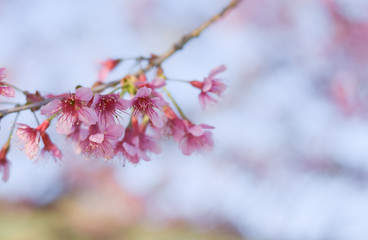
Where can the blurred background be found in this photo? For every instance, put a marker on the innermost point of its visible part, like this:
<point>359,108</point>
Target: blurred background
<point>291,139</point>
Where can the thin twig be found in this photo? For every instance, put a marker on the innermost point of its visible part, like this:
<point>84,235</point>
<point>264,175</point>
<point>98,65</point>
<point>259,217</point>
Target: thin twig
<point>155,62</point>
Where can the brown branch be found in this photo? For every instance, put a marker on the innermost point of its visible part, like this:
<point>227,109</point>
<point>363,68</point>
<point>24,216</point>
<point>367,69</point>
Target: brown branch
<point>157,61</point>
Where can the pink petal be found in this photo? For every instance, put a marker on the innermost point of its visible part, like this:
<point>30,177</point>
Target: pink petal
<point>143,155</point>
<point>7,91</point>
<point>217,70</point>
<point>84,94</point>
<point>217,87</point>
<point>6,170</point>
<point>186,148</point>
<point>57,153</point>
<point>143,92</point>
<point>196,130</point>
<point>87,115</point>
<point>51,108</point>
<point>114,131</point>
<point>32,148</point>
<point>155,119</point>
<point>65,124</point>
<point>159,102</point>
<point>97,138</point>
<point>83,132</point>
<point>96,99</point>
<point>125,104</point>
<point>203,99</point>
<point>158,82</point>
<point>154,147</point>
<point>205,126</point>
<point>207,84</point>
<point>131,150</point>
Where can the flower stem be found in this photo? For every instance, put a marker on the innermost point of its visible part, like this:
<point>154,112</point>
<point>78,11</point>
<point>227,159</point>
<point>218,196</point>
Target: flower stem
<point>53,116</point>
<point>115,89</point>
<point>12,128</point>
<point>177,80</point>
<point>175,103</point>
<point>34,114</point>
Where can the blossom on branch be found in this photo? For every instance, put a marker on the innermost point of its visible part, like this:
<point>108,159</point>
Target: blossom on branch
<point>174,126</point>
<point>145,103</point>
<point>71,109</point>
<point>109,107</point>
<point>196,138</point>
<point>101,140</point>
<point>136,143</point>
<point>211,85</point>
<point>31,137</point>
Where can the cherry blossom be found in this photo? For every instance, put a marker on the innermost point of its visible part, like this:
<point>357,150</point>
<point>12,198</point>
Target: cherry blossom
<point>109,107</point>
<point>101,140</point>
<point>211,85</point>
<point>196,138</point>
<point>31,137</point>
<point>174,126</point>
<point>71,109</point>
<point>145,103</point>
<point>135,144</point>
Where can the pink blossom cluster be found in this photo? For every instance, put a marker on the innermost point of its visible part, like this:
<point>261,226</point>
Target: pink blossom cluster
<point>127,123</point>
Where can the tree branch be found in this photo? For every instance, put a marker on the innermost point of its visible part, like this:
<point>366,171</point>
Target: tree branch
<point>155,62</point>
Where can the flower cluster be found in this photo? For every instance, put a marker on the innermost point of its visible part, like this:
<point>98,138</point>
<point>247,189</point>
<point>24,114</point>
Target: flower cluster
<point>127,123</point>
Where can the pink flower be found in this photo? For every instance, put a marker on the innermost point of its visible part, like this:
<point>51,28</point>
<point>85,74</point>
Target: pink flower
<point>4,162</point>
<point>100,141</point>
<point>71,109</point>
<point>135,144</point>
<point>196,138</point>
<point>107,67</point>
<point>50,148</point>
<point>5,90</point>
<point>31,137</point>
<point>109,106</point>
<point>145,103</point>
<point>174,125</point>
<point>210,84</point>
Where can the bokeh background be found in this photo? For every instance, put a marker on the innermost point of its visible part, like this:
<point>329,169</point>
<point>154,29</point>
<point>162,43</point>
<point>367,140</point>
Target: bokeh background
<point>291,139</point>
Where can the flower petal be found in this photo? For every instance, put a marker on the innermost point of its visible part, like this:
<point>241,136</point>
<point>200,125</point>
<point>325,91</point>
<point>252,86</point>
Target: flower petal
<point>196,130</point>
<point>97,138</point>
<point>143,92</point>
<point>124,104</point>
<point>186,148</point>
<point>84,94</point>
<point>155,119</point>
<point>158,82</point>
<point>131,150</point>
<point>114,131</point>
<point>7,91</point>
<point>65,124</point>
<point>87,115</point>
<point>51,108</point>
<point>207,84</point>
<point>217,70</point>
